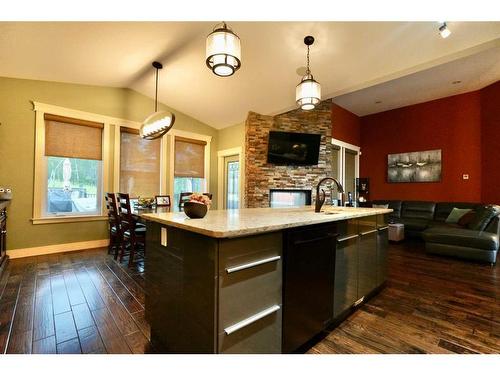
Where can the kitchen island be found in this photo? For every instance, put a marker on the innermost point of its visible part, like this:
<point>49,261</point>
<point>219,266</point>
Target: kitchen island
<point>261,280</point>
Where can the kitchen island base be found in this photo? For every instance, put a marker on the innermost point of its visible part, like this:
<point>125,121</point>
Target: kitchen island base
<point>268,292</point>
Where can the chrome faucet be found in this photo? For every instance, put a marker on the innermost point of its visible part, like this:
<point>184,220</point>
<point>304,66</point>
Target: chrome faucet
<point>320,199</point>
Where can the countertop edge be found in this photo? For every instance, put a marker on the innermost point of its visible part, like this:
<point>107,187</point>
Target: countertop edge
<point>322,218</point>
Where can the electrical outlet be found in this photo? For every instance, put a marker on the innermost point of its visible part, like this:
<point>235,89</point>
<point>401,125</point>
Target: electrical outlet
<point>465,177</point>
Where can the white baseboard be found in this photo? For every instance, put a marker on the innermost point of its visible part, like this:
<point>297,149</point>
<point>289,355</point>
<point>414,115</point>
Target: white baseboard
<point>59,248</point>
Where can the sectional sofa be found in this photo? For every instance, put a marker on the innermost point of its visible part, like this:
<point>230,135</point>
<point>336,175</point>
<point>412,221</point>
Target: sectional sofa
<point>427,220</point>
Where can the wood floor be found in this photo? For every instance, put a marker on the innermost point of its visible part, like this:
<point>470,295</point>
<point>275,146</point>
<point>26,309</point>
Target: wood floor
<point>431,304</point>
<point>84,302</point>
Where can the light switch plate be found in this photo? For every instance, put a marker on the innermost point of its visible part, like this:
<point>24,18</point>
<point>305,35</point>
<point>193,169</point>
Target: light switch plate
<point>465,177</point>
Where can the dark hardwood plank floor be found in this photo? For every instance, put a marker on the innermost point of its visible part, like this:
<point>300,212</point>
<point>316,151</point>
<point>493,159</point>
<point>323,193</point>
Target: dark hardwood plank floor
<point>431,304</point>
<point>85,302</point>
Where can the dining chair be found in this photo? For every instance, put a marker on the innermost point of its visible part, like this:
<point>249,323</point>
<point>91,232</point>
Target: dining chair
<point>134,235</point>
<point>115,235</point>
<point>183,199</point>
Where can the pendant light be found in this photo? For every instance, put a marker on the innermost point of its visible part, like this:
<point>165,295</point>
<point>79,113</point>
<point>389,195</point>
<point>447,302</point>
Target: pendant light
<point>308,91</point>
<point>223,51</point>
<point>160,122</point>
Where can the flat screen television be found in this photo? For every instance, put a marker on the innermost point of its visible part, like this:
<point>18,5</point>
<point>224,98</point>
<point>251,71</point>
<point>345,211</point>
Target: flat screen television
<point>293,148</point>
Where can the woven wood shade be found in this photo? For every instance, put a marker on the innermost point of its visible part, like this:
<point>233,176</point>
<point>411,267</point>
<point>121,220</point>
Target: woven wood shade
<point>73,138</point>
<point>189,158</point>
<point>139,164</point>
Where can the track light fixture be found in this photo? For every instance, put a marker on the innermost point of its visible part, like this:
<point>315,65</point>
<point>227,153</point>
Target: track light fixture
<point>444,31</point>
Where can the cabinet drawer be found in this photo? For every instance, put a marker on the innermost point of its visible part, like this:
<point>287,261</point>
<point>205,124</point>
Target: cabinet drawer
<point>347,228</point>
<point>382,220</point>
<point>260,337</point>
<point>367,224</point>
<point>250,280</point>
<point>242,254</point>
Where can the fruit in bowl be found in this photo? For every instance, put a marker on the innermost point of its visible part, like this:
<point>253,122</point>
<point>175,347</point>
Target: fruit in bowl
<point>197,206</point>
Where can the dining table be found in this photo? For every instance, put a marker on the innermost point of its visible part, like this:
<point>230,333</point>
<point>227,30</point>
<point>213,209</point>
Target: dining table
<point>138,211</point>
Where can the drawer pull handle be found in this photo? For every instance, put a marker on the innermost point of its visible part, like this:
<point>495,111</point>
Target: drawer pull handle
<point>384,228</point>
<point>368,232</point>
<point>252,264</point>
<point>347,238</point>
<point>317,239</point>
<point>251,319</point>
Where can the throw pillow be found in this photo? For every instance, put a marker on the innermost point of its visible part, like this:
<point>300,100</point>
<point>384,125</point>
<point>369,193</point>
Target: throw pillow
<point>456,214</point>
<point>483,217</point>
<point>467,218</point>
<point>380,206</point>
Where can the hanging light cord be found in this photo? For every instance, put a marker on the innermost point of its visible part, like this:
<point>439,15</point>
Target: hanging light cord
<point>156,92</point>
<point>308,71</point>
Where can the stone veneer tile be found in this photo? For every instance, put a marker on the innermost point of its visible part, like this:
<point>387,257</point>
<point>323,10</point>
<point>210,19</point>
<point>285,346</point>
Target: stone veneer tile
<point>260,176</point>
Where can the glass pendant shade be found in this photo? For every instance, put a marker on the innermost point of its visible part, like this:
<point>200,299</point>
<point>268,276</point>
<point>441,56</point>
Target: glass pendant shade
<point>223,51</point>
<point>157,125</point>
<point>308,93</point>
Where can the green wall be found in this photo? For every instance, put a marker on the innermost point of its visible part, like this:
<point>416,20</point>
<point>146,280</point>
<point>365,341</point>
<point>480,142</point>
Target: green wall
<point>233,136</point>
<point>17,146</point>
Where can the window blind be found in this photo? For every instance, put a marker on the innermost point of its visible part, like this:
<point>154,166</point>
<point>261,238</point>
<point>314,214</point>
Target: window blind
<point>72,138</point>
<point>139,164</point>
<point>189,158</point>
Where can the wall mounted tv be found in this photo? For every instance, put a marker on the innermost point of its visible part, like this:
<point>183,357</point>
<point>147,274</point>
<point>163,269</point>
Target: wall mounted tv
<point>293,148</point>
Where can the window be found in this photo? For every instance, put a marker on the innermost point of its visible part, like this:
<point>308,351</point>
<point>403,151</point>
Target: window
<point>139,164</point>
<point>73,165</point>
<point>189,167</point>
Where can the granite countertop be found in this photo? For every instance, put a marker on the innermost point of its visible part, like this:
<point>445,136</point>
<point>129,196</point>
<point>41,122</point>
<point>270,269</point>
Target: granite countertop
<point>248,221</point>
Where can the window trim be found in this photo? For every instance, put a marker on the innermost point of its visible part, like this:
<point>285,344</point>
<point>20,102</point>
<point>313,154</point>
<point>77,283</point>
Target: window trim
<point>39,198</point>
<point>117,150</point>
<point>341,162</point>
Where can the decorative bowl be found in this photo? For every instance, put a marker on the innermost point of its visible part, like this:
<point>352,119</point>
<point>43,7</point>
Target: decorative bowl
<point>195,210</point>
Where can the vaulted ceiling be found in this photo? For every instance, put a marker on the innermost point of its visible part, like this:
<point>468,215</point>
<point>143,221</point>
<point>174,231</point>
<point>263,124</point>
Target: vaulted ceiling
<point>357,63</point>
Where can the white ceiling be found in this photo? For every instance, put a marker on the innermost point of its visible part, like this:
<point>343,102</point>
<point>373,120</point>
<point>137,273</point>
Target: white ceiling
<point>462,75</point>
<point>346,57</point>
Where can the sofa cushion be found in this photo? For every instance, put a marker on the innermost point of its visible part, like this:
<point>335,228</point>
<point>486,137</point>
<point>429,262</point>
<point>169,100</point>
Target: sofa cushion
<point>418,210</point>
<point>443,209</point>
<point>414,224</point>
<point>483,217</point>
<point>461,237</point>
<point>465,220</point>
<point>393,205</point>
<point>456,214</point>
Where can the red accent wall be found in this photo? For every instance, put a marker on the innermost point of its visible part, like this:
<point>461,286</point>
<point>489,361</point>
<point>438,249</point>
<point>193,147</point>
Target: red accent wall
<point>345,125</point>
<point>490,125</point>
<point>452,124</point>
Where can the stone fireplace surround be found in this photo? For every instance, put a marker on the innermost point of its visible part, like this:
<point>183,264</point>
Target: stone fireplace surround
<point>260,176</point>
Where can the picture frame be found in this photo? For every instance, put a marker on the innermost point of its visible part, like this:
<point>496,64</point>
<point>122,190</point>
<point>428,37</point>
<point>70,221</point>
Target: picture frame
<point>162,200</point>
<point>418,166</point>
